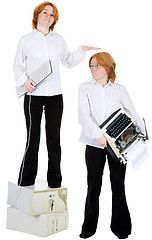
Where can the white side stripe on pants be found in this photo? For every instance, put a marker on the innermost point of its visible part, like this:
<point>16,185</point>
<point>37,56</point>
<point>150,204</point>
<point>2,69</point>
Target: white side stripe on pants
<point>28,141</point>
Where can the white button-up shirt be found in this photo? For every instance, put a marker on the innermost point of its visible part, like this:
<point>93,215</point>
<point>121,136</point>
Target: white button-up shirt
<point>96,103</point>
<point>33,50</point>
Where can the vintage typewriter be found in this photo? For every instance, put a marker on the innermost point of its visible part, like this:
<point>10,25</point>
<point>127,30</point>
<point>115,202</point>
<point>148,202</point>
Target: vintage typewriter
<point>122,134</point>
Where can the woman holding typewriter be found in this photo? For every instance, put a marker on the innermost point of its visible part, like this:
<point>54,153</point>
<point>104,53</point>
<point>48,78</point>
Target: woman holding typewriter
<point>33,50</point>
<point>98,99</point>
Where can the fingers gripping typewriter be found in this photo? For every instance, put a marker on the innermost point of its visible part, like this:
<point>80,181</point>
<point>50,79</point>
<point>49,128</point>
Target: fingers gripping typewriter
<point>122,134</point>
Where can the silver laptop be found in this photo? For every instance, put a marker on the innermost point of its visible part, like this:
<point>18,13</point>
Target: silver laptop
<point>37,76</point>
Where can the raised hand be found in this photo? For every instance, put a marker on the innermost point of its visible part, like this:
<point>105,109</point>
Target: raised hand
<point>88,48</point>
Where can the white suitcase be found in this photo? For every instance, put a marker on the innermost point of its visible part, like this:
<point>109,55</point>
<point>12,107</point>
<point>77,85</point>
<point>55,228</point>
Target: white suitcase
<point>42,225</point>
<point>37,199</point>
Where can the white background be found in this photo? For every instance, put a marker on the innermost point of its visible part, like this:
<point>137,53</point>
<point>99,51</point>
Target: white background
<point>120,27</point>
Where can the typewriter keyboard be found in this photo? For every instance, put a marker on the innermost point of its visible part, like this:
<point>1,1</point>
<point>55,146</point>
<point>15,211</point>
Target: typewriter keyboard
<point>118,125</point>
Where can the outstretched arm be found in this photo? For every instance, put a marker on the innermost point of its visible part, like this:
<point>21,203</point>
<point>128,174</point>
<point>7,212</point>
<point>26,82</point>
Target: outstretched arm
<point>71,59</point>
<point>88,48</point>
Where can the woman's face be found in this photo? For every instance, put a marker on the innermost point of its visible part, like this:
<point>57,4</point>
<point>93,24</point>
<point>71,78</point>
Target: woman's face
<point>98,72</point>
<point>46,17</point>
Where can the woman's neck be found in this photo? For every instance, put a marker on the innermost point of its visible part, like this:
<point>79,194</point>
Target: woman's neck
<point>44,30</point>
<point>103,81</point>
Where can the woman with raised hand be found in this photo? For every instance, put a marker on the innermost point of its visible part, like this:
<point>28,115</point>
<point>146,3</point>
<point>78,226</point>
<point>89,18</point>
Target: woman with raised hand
<point>33,50</point>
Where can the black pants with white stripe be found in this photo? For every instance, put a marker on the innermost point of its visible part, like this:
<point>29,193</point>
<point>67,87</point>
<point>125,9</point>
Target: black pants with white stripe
<point>33,109</point>
<point>120,220</point>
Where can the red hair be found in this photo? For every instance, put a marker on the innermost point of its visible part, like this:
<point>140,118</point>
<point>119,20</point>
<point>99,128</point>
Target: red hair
<point>39,9</point>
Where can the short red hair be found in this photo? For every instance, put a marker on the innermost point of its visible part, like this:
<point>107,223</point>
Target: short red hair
<point>39,9</point>
<point>107,62</point>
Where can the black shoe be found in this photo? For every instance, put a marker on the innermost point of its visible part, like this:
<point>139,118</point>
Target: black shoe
<point>86,235</point>
<point>122,236</point>
<point>54,186</point>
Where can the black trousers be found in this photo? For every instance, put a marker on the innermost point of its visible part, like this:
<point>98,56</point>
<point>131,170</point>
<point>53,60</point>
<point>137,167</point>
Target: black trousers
<point>33,109</point>
<point>120,220</point>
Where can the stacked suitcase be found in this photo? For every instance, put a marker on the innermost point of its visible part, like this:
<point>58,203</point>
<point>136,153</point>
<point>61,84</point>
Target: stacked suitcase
<point>37,209</point>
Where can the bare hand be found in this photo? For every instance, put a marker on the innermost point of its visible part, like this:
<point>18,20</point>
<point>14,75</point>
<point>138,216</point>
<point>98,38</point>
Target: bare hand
<point>102,141</point>
<point>29,85</point>
<point>88,48</point>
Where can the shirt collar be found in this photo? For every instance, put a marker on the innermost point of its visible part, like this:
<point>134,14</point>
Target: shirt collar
<point>38,33</point>
<point>95,82</point>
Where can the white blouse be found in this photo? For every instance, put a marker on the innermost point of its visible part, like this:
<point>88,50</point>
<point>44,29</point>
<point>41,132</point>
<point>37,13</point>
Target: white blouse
<point>33,50</point>
<point>96,103</point>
